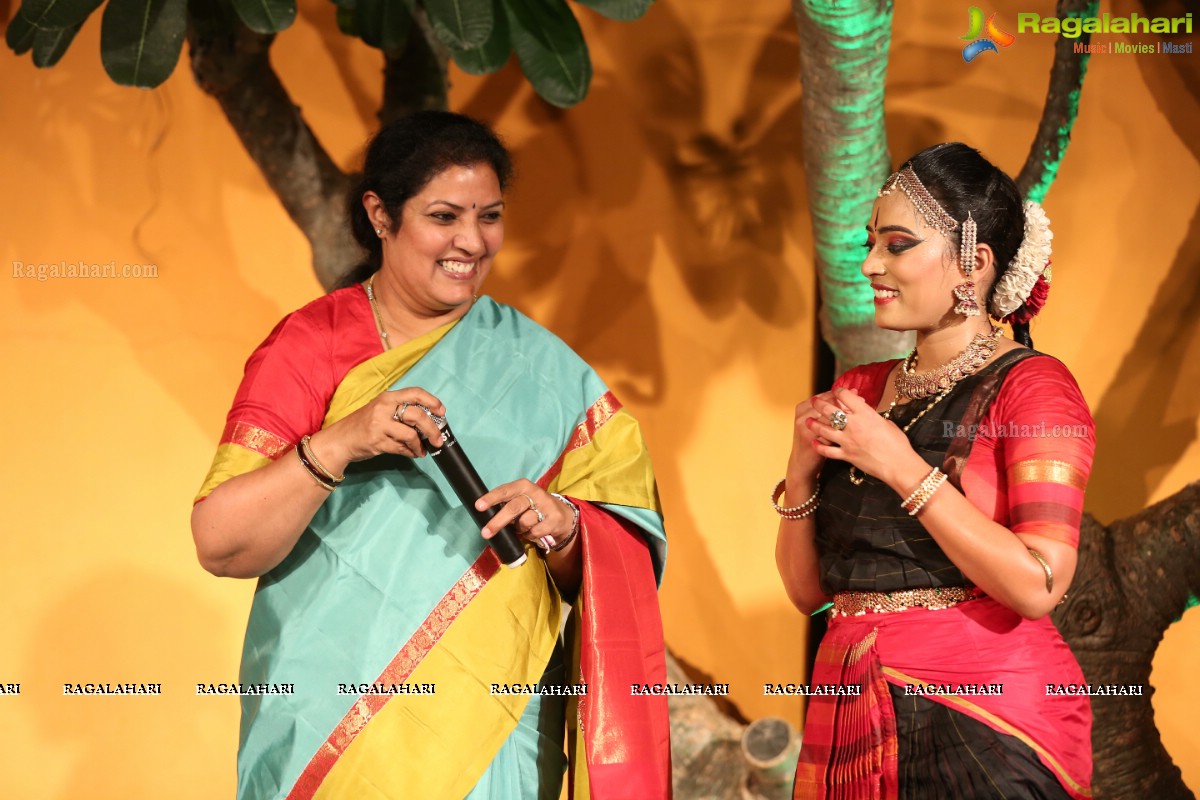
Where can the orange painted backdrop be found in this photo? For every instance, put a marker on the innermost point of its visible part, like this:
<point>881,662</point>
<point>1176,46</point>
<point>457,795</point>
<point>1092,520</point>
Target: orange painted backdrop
<point>660,228</point>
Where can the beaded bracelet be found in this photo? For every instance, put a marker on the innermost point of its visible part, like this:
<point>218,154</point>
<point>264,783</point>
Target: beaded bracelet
<point>794,512</point>
<point>924,491</point>
<point>574,525</point>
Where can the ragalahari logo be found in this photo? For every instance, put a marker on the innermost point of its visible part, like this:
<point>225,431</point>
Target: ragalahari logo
<point>983,37</point>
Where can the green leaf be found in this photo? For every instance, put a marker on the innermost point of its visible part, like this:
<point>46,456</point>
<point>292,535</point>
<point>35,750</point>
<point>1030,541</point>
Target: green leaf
<point>551,49</point>
<point>266,16</point>
<point>461,24</point>
<point>58,13</point>
<point>140,40</point>
<point>492,54</point>
<point>49,45</point>
<point>622,10</point>
<point>384,24</point>
<point>20,34</point>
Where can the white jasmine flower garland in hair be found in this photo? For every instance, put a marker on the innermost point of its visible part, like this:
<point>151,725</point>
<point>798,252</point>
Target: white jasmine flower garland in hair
<point>1033,256</point>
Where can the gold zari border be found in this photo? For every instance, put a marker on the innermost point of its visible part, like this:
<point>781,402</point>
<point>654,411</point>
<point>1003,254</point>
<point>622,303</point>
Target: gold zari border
<point>1047,471</point>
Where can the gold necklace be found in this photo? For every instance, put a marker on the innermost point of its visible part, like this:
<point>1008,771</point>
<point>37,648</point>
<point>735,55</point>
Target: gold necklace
<point>855,477</point>
<point>383,334</point>
<point>939,382</point>
<point>968,362</point>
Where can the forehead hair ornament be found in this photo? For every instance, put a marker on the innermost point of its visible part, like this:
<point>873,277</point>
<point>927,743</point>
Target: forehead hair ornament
<point>934,215</point>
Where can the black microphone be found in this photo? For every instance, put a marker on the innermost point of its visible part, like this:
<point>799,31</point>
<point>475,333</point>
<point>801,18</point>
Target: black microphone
<point>469,487</point>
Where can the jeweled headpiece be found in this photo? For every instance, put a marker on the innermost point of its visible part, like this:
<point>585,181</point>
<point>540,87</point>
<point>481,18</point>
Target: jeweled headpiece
<point>934,215</point>
<point>1021,291</point>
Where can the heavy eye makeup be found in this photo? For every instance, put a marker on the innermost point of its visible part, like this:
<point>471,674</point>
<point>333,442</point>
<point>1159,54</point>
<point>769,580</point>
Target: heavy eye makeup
<point>897,240</point>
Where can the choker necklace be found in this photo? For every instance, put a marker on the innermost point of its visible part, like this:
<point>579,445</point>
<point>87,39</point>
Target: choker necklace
<point>910,384</point>
<point>383,335</point>
<point>938,383</point>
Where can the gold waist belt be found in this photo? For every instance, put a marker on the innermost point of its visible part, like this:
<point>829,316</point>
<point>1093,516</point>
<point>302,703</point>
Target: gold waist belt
<point>855,604</point>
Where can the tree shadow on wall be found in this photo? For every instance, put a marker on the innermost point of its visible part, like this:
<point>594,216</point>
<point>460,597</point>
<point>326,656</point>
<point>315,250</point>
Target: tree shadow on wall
<point>734,169</point>
<point>178,325</point>
<point>1152,390</point>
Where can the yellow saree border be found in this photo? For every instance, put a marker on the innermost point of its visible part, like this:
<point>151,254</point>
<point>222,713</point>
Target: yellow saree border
<point>451,744</point>
<point>397,671</point>
<point>995,722</point>
<point>230,461</point>
<point>607,435</point>
<point>597,415</point>
<point>364,382</point>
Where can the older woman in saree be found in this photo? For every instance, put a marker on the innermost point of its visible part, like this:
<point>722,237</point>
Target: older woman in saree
<point>420,666</point>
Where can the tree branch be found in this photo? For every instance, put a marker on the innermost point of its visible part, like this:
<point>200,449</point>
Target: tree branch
<point>232,65</point>
<point>1062,105</point>
<point>416,79</point>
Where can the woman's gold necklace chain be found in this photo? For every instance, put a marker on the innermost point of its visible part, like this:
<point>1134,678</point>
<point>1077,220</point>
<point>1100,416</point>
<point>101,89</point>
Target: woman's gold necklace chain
<point>383,334</point>
<point>944,379</point>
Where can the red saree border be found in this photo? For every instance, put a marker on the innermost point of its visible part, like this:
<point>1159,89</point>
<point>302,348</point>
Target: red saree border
<point>401,666</point>
<point>976,712</point>
<point>600,412</point>
<point>254,438</point>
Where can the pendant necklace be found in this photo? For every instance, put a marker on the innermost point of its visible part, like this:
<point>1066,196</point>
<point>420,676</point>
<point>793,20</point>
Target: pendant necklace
<point>383,334</point>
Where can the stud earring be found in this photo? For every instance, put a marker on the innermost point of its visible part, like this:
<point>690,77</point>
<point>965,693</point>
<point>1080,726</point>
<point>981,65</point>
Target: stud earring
<point>379,232</point>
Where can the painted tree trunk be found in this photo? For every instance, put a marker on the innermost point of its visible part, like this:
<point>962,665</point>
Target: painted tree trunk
<point>843,63</point>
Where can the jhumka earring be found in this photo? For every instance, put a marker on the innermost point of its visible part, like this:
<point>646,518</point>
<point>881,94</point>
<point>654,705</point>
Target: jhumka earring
<point>967,306</point>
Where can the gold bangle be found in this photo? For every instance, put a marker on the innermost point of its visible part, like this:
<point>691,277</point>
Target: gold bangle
<point>306,443</point>
<point>1046,567</point>
<point>794,512</point>
<point>321,480</point>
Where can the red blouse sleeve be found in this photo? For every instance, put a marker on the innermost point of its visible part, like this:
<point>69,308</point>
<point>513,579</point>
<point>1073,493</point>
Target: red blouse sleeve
<point>1044,440</point>
<point>289,381</point>
<point>285,388</point>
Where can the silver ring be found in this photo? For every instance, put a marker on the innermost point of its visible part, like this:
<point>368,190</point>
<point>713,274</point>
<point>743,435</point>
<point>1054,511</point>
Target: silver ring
<point>398,416</point>
<point>838,420</point>
<point>533,506</point>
